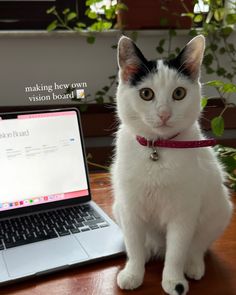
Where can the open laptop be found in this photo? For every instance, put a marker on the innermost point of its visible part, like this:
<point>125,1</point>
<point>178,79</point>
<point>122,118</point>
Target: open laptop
<point>48,221</point>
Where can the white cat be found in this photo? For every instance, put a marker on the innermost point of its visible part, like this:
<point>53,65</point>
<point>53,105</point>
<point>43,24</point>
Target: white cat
<point>178,205</point>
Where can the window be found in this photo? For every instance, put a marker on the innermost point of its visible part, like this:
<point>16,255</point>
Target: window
<point>31,14</point>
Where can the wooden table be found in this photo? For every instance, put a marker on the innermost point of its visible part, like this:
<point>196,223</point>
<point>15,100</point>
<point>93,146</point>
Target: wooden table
<point>100,278</point>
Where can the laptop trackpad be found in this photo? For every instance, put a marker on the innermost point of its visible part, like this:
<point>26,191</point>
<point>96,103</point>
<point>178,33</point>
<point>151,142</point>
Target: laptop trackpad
<point>43,256</point>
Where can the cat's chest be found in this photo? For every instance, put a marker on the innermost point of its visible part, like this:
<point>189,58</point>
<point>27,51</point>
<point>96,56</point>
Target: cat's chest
<point>157,168</point>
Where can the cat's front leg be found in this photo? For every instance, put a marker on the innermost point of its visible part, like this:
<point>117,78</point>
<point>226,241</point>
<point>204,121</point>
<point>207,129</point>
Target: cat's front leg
<point>179,236</point>
<point>131,277</point>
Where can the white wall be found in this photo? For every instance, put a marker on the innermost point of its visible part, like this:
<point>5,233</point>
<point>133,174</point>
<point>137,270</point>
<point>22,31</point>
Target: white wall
<point>27,58</point>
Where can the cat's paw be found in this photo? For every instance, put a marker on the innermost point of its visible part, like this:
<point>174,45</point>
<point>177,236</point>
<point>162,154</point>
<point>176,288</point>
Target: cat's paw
<point>175,287</point>
<point>128,280</point>
<point>195,269</point>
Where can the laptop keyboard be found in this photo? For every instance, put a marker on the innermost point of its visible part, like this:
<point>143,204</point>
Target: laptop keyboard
<point>41,226</point>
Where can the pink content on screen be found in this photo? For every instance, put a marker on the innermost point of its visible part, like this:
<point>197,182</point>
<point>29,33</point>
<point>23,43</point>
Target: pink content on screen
<point>44,115</point>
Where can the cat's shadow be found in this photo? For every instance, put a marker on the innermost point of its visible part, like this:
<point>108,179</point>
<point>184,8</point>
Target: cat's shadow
<point>218,280</point>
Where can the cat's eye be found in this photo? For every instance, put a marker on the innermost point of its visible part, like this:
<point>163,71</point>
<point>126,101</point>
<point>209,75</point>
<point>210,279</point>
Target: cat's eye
<point>146,93</point>
<point>179,93</point>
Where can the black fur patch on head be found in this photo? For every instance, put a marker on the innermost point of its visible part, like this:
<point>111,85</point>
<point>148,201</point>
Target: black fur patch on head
<point>144,69</point>
<point>178,65</point>
<point>134,66</point>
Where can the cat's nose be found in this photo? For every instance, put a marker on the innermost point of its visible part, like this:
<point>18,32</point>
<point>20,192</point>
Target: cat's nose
<point>164,116</point>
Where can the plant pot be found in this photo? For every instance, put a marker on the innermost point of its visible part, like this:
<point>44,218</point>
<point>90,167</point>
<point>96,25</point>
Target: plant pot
<point>155,14</point>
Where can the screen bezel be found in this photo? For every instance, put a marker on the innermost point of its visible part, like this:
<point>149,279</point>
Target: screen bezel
<point>55,204</point>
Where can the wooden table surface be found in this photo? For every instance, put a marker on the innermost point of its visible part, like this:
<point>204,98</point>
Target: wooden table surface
<point>100,278</point>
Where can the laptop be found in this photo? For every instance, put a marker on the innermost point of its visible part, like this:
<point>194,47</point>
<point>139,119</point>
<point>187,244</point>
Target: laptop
<point>48,220</point>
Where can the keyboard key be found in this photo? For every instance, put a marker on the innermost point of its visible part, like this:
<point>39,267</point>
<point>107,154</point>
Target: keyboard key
<point>75,230</point>
<point>103,225</point>
<point>41,226</point>
<point>63,233</point>
<point>85,229</point>
<point>93,222</point>
<point>94,226</point>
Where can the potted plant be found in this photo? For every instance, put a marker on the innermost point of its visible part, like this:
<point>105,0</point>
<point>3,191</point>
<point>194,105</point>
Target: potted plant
<point>155,14</point>
<point>217,24</point>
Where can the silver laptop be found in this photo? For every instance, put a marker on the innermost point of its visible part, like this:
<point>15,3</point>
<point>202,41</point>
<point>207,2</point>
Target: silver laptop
<point>48,221</point>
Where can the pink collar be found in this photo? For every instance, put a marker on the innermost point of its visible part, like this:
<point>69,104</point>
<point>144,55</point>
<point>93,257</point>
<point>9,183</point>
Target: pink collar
<point>176,144</point>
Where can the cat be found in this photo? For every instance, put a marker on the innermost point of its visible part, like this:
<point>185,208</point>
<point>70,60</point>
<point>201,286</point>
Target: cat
<point>177,206</point>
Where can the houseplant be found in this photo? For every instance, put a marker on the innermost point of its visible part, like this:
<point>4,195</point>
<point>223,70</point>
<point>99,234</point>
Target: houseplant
<point>100,17</point>
<point>216,24</point>
<point>155,14</point>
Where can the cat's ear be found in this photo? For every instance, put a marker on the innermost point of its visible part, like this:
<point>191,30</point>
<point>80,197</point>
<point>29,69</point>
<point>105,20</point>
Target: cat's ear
<point>190,58</point>
<point>130,58</point>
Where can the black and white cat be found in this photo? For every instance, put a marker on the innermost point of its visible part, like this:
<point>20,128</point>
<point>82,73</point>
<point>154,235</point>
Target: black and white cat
<point>178,205</point>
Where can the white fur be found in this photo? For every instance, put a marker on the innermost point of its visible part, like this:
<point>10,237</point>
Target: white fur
<point>176,206</point>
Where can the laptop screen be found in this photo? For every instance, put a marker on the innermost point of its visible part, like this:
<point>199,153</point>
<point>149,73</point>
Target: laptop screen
<point>41,159</point>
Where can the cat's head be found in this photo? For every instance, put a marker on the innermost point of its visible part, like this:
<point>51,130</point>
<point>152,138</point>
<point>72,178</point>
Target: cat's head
<point>159,98</point>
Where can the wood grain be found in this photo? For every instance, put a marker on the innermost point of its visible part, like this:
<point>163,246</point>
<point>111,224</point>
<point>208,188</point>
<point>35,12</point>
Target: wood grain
<point>100,278</point>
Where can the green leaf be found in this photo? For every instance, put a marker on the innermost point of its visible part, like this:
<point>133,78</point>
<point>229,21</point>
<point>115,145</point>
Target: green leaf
<point>99,100</point>
<point>52,26</point>
<point>198,18</point>
<point>111,99</point>
<point>222,50</point>
<point>51,10</point>
<point>105,88</point>
<point>112,77</point>
<point>121,6</point>
<point>193,32</point>
<point>106,25</point>
<point>91,14</point>
<point>81,25</point>
<point>91,2</point>
<point>171,56</point>
<point>159,49</point>
<point>100,93</point>
<point>76,29</point>
<point>215,83</point>
<point>209,70</point>
<point>177,50</point>
<point>219,14</point>
<point>91,39</point>
<point>228,88</point>
<point>217,125</point>
<point>208,59</point>
<point>71,15</point>
<point>220,71</point>
<point>231,19</point>
<point>163,22</point>
<point>231,47</point>
<point>204,101</point>
<point>162,42</point>
<point>172,33</point>
<point>189,14</point>
<point>110,13</point>
<point>229,76</point>
<point>213,47</point>
<point>226,31</point>
<point>65,11</point>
